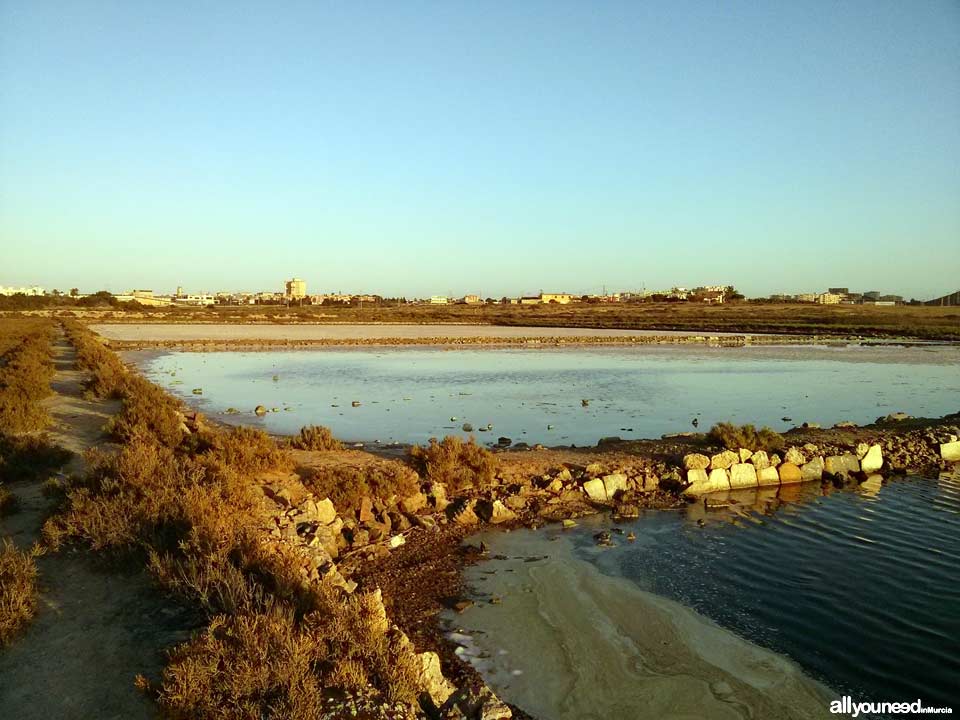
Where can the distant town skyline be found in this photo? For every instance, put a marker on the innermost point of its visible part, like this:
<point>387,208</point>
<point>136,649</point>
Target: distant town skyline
<point>496,148</point>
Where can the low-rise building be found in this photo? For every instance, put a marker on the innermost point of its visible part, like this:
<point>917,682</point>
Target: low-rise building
<point>470,300</point>
<point>295,289</point>
<point>556,298</point>
<point>829,298</point>
<point>439,300</point>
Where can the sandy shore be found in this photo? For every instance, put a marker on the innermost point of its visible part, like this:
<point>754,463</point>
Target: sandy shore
<point>566,641</point>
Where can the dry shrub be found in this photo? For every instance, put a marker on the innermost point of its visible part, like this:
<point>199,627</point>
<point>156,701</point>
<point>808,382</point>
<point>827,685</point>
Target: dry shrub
<point>25,373</point>
<point>734,437</point>
<point>460,465</point>
<point>248,451</point>
<point>8,501</point>
<point>276,663</point>
<point>347,484</point>
<point>29,457</point>
<point>108,375</point>
<point>148,413</point>
<point>18,589</point>
<point>315,437</point>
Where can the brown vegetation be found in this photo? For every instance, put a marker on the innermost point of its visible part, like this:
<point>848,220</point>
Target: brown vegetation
<point>275,640</point>
<point>459,465</point>
<point>932,323</point>
<point>734,437</point>
<point>346,483</point>
<point>25,373</point>
<point>18,589</point>
<point>315,437</point>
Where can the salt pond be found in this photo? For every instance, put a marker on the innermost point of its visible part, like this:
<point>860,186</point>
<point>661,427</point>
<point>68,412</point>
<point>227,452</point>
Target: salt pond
<point>409,395</point>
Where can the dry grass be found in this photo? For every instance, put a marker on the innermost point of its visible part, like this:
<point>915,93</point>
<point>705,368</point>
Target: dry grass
<point>8,501</point>
<point>18,589</point>
<point>315,437</point>
<point>460,465</point>
<point>734,437</point>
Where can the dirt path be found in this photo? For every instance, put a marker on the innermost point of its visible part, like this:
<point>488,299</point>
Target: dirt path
<point>96,627</point>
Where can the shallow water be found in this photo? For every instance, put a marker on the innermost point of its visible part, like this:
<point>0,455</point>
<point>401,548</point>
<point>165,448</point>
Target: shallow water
<point>409,395</point>
<point>860,588</point>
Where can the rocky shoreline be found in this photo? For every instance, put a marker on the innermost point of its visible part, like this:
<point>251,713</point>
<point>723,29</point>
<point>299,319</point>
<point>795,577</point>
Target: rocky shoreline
<point>413,548</point>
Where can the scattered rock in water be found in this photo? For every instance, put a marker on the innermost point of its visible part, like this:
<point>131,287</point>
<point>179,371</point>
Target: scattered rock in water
<point>631,537</point>
<point>568,524</point>
<point>260,410</point>
<point>355,403</point>
<point>585,403</point>
<point>231,411</point>
<point>504,441</point>
<point>845,424</point>
<point>197,391</point>
<point>603,539</point>
<point>467,427</point>
<point>276,378</point>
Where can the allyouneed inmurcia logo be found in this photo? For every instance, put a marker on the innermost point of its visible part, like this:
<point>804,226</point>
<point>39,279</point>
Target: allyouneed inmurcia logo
<point>847,706</point>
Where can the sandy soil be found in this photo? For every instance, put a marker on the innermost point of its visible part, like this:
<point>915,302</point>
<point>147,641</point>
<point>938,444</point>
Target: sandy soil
<point>96,628</point>
<point>145,332</point>
<point>565,641</point>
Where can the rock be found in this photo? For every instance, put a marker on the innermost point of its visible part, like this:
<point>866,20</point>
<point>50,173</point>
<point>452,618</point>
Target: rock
<point>564,475</point>
<point>438,496</point>
<point>355,403</point>
<point>811,425</point>
<point>795,457</point>
<point>463,513</point>
<point>743,475</point>
<point>516,502</point>
<point>568,524</point>
<point>950,451</point>
<point>812,470</point>
<point>872,461</point>
<point>745,455</point>
<point>593,469</point>
<point>614,483</point>
<point>702,483</point>
<point>365,514</point>
<point>723,460</point>
<point>504,441</point>
<point>326,512</point>
<point>467,427</point>
<point>841,465</point>
<point>696,461</point>
<point>775,460</point>
<point>697,476</point>
<point>845,424</point>
<point>767,476</point>
<point>611,440</point>
<point>789,473</point>
<point>862,449</point>
<point>555,486</point>
<point>414,503</point>
<point>595,490</point>
<point>397,540</point>
<point>626,510</point>
<point>432,679</point>
<point>760,460</point>
<point>895,417</point>
<point>260,410</point>
<point>494,512</point>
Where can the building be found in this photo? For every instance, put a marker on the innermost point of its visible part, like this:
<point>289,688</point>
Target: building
<point>807,297</point>
<point>32,290</point>
<point>439,300</point>
<point>556,298</point>
<point>839,291</point>
<point>829,298</point>
<point>296,289</point>
<point>200,299</point>
<point>470,299</point>
<point>530,300</point>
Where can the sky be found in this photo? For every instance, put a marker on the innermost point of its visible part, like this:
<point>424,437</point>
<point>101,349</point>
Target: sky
<point>419,148</point>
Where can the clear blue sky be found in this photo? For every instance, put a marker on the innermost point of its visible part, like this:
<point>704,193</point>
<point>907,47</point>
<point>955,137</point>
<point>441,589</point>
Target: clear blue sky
<point>496,147</point>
